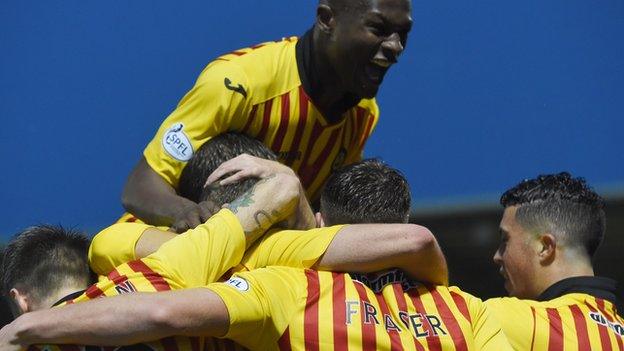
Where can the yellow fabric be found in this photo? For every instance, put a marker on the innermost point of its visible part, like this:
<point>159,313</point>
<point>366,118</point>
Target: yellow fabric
<point>196,258</point>
<point>530,325</point>
<point>258,91</point>
<point>128,218</point>
<point>291,248</point>
<point>114,245</point>
<point>277,306</point>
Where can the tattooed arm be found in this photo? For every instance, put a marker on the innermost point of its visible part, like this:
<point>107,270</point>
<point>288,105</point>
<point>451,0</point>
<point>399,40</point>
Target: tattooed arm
<point>273,199</point>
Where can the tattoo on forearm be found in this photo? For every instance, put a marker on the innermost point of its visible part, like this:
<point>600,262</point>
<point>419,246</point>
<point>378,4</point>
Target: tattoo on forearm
<point>263,220</point>
<point>244,201</point>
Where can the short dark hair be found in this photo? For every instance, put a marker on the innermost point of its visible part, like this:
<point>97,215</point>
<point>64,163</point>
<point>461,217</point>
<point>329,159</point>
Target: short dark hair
<point>562,205</point>
<point>208,157</point>
<point>366,192</point>
<point>42,258</point>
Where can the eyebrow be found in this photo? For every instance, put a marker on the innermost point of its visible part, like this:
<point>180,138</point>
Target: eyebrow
<point>380,16</point>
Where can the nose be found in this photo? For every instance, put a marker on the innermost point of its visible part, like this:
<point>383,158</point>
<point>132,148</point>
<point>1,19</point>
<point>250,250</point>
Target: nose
<point>392,47</point>
<point>498,259</point>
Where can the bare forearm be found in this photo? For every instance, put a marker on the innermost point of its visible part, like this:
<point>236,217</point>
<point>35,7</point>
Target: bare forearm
<point>374,247</point>
<point>148,197</point>
<point>120,320</point>
<point>270,201</point>
<point>126,319</point>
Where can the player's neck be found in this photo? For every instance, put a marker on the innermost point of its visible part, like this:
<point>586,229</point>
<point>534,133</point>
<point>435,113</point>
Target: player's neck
<point>569,267</point>
<point>330,96</point>
<point>58,295</point>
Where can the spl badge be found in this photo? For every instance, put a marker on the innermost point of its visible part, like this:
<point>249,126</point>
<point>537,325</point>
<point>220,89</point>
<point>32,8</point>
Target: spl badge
<point>238,283</point>
<point>177,144</point>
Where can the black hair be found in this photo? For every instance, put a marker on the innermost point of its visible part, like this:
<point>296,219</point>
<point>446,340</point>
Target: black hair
<point>208,157</point>
<point>366,192</point>
<point>43,258</point>
<point>562,205</point>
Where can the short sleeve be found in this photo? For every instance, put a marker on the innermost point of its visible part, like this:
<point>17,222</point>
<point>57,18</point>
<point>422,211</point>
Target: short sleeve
<point>114,245</point>
<point>511,312</point>
<point>487,330</point>
<point>260,304</point>
<point>218,102</point>
<point>202,255</point>
<point>291,248</point>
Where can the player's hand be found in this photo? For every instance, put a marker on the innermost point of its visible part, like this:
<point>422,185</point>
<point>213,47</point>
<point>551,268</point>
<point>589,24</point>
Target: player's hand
<point>246,166</point>
<point>191,216</point>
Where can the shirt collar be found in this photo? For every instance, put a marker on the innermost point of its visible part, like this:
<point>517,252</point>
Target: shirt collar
<point>69,297</point>
<point>600,287</point>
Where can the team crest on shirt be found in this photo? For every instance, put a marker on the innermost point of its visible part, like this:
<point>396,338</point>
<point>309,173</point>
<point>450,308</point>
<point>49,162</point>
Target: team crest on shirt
<point>177,144</point>
<point>238,283</point>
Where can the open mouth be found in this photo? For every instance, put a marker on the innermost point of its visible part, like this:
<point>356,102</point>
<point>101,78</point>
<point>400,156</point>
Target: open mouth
<point>375,70</point>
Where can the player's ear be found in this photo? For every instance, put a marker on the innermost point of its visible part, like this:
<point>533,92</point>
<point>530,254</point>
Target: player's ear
<point>547,248</point>
<point>325,19</point>
<point>320,223</point>
<point>21,300</point>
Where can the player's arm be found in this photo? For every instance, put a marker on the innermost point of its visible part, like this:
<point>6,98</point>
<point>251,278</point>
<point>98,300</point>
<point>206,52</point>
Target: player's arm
<point>209,109</point>
<point>246,166</point>
<point>121,320</point>
<point>374,247</point>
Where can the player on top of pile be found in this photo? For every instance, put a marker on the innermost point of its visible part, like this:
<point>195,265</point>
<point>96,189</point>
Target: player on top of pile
<point>311,100</point>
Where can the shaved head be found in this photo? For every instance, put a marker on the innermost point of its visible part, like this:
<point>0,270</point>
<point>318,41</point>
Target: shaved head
<point>340,6</point>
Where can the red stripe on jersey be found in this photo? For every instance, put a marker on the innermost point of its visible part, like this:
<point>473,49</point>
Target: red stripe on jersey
<point>369,338</point>
<point>402,303</point>
<point>555,334</point>
<point>131,219</point>
<point>250,119</point>
<point>266,119</point>
<point>341,342</point>
<point>310,319</point>
<point>284,341</point>
<point>449,321</point>
<point>358,122</point>
<point>580,325</point>
<point>157,281</point>
<point>461,304</point>
<point>169,344</point>
<point>369,127</point>
<point>602,330</point>
<point>311,172</point>
<point>316,131</point>
<point>433,340</point>
<point>303,116</point>
<point>238,53</point>
<point>534,325</point>
<point>601,307</point>
<point>283,127</point>
<point>94,291</point>
<point>395,339</point>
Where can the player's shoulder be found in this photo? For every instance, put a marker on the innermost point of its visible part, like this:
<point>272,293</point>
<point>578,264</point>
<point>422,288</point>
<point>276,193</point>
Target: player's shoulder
<point>265,70</point>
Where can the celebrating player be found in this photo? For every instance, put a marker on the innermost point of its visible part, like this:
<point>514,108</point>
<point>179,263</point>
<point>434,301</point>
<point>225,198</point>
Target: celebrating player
<point>311,100</point>
<point>288,308</point>
<point>551,228</point>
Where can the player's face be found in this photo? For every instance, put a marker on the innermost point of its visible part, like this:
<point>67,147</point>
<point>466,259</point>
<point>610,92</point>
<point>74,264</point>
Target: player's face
<point>516,258</point>
<point>365,43</point>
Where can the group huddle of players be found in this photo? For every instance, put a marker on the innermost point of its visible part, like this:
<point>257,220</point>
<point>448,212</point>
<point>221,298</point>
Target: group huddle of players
<point>221,247</point>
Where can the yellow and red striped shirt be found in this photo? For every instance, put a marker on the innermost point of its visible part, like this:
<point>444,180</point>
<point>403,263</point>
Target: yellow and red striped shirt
<point>259,91</point>
<point>570,322</point>
<point>192,259</point>
<point>280,308</point>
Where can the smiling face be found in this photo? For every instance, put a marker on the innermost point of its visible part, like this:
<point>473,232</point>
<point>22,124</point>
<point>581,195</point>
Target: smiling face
<point>517,257</point>
<point>365,41</point>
